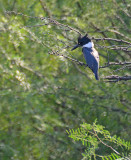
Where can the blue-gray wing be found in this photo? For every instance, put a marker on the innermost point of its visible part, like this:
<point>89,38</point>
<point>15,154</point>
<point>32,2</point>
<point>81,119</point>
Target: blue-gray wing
<point>92,58</point>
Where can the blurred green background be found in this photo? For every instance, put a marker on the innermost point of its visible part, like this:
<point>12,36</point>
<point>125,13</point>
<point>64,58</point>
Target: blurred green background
<point>43,95</point>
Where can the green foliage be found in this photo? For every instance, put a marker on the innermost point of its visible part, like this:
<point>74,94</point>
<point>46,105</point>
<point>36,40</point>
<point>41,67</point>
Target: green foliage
<point>43,95</point>
<point>95,137</point>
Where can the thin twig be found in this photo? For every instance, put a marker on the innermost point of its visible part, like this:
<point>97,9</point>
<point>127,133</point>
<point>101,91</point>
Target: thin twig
<point>106,144</point>
<point>111,39</point>
<point>118,78</point>
<point>115,63</point>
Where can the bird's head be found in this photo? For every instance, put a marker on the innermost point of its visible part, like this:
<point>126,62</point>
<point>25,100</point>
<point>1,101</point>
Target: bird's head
<point>82,41</point>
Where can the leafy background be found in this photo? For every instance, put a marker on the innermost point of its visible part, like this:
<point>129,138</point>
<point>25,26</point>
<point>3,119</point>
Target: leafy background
<point>43,95</point>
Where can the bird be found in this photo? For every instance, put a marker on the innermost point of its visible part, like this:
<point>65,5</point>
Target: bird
<point>90,54</point>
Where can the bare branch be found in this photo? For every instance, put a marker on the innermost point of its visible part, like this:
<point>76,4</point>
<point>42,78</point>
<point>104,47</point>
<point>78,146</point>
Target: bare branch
<point>117,32</point>
<point>117,78</point>
<point>115,63</point>
<point>43,18</point>
<point>111,39</point>
<point>62,55</point>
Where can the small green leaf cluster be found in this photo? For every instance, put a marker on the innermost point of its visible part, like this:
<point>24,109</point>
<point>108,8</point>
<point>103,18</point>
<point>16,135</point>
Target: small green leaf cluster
<point>94,137</point>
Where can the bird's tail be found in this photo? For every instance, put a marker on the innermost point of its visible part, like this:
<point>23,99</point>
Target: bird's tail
<point>96,76</point>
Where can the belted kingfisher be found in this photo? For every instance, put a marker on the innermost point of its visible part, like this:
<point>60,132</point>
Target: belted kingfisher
<point>90,53</point>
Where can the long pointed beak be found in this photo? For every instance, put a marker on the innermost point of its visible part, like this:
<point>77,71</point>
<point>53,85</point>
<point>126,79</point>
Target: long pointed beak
<point>76,46</point>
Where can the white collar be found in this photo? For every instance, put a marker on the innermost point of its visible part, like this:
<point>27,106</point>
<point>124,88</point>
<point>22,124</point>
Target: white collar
<point>89,45</point>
